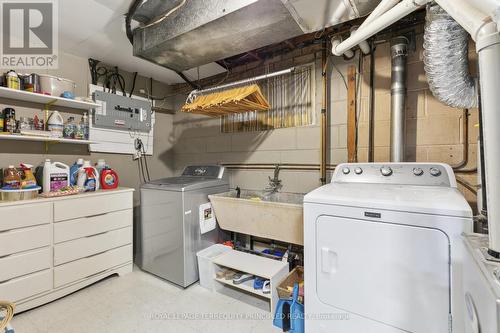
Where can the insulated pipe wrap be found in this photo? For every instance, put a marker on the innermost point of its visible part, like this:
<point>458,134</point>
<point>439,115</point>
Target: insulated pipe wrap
<point>446,60</point>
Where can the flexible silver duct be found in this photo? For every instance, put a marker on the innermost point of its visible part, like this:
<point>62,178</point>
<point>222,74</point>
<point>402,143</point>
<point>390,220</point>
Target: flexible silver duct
<point>446,60</point>
<point>399,54</point>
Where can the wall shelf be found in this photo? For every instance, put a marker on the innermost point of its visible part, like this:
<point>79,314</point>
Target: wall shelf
<point>27,96</point>
<point>18,137</point>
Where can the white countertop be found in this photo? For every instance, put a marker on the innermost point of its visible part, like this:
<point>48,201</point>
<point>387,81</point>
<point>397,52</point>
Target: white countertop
<point>75,196</point>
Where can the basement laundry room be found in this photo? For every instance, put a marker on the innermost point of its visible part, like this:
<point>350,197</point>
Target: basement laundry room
<point>250,166</point>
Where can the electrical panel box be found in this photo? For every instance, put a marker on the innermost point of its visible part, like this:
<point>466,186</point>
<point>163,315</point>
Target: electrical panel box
<point>121,112</point>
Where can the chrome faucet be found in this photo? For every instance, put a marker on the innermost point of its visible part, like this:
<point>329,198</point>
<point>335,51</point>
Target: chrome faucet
<point>274,183</point>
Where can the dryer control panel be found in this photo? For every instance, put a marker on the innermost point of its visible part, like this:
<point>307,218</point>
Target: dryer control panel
<point>423,174</point>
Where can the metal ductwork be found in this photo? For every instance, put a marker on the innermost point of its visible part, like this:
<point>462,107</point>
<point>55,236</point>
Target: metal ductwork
<point>399,54</point>
<point>446,46</point>
<point>185,34</point>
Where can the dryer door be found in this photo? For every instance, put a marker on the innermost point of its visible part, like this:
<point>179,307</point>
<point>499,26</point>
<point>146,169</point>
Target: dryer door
<point>390,273</point>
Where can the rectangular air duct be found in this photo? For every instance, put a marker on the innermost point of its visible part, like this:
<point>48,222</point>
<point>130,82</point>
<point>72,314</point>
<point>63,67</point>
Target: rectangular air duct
<point>199,32</point>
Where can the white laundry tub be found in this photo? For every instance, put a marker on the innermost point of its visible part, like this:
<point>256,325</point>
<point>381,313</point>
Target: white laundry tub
<point>277,216</point>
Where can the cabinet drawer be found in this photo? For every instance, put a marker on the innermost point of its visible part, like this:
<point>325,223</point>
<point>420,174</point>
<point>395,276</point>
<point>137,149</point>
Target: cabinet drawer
<point>87,267</point>
<point>25,239</point>
<point>25,215</point>
<point>88,226</point>
<point>26,286</point>
<point>27,262</point>
<point>87,246</point>
<point>91,205</point>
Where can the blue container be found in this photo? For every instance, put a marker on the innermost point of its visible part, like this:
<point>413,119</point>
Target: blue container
<point>289,315</point>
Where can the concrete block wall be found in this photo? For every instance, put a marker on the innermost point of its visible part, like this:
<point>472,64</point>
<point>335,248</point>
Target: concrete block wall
<point>434,131</point>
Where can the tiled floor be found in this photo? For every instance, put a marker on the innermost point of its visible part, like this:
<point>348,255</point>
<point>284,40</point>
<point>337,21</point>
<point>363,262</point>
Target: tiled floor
<point>128,304</point>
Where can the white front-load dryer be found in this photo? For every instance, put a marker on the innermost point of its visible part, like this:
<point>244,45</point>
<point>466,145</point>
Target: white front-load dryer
<point>383,252</point>
<point>481,286</point>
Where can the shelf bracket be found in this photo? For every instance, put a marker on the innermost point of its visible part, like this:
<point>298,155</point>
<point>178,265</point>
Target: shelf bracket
<point>46,109</point>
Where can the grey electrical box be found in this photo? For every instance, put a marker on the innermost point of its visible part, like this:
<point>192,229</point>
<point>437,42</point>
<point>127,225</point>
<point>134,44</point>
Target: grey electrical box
<point>121,112</point>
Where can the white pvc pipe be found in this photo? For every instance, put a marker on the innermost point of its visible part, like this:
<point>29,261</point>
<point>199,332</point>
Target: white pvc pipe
<point>364,46</point>
<point>491,7</point>
<point>382,7</point>
<point>393,15</point>
<point>467,15</point>
<point>488,49</point>
<point>335,42</point>
<point>339,12</point>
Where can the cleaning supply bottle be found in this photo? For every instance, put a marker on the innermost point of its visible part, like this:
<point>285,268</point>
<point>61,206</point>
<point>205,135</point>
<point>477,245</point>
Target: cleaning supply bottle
<point>100,165</point>
<point>11,178</point>
<point>28,180</point>
<point>55,176</point>
<point>69,128</point>
<point>85,126</point>
<point>88,178</point>
<point>73,171</point>
<point>109,178</point>
<point>55,124</point>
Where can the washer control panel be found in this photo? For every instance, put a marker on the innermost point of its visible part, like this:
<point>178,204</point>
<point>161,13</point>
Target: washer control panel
<point>424,174</point>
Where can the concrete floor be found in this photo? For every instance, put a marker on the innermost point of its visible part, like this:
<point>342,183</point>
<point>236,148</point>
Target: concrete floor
<point>128,304</point>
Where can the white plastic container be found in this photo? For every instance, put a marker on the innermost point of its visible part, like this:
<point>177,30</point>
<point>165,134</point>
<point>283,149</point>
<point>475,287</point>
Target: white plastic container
<point>56,85</point>
<point>206,267</point>
<point>55,176</point>
<point>55,124</point>
<point>83,178</point>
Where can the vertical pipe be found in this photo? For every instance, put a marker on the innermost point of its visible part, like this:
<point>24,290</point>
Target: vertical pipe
<point>371,128</point>
<point>488,48</point>
<point>324,113</point>
<point>399,52</point>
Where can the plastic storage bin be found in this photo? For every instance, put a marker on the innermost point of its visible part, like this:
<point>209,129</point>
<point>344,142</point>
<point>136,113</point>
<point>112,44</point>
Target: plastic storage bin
<point>205,266</point>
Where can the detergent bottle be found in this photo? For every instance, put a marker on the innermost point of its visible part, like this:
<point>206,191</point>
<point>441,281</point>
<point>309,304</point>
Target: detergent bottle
<point>109,178</point>
<point>88,178</point>
<point>55,176</point>
<point>28,180</point>
<point>100,165</point>
<point>73,171</point>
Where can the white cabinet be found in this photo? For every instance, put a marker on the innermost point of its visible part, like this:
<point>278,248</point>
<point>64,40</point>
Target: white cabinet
<point>52,247</point>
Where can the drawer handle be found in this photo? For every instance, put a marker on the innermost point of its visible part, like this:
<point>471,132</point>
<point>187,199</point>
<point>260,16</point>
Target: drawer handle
<point>96,215</point>
<point>96,254</point>
<point>99,234</point>
<point>5,256</point>
<point>5,281</point>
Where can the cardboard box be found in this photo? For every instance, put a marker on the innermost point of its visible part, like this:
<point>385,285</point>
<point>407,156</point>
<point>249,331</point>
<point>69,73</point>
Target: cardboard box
<point>285,287</point>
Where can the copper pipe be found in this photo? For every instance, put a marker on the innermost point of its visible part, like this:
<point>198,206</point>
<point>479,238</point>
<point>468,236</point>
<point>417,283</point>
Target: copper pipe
<point>324,113</point>
<point>467,185</point>
<point>271,166</point>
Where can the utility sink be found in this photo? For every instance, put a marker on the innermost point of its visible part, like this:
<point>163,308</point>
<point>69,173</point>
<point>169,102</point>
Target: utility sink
<point>277,216</point>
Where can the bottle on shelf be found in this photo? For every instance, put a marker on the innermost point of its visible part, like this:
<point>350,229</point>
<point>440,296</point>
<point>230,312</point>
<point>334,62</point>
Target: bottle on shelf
<point>55,124</point>
<point>1,121</point>
<point>73,171</point>
<point>12,80</point>
<point>82,128</point>
<point>85,120</point>
<point>9,120</point>
<point>69,128</point>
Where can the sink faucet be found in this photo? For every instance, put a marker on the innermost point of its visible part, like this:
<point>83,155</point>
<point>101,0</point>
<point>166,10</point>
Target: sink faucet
<point>274,183</point>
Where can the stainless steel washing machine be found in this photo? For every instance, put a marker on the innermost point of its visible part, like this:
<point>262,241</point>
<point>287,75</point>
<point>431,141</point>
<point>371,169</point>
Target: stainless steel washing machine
<point>169,231</point>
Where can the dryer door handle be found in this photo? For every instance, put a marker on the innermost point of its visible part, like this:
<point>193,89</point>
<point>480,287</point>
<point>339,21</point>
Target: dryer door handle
<point>329,261</point>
